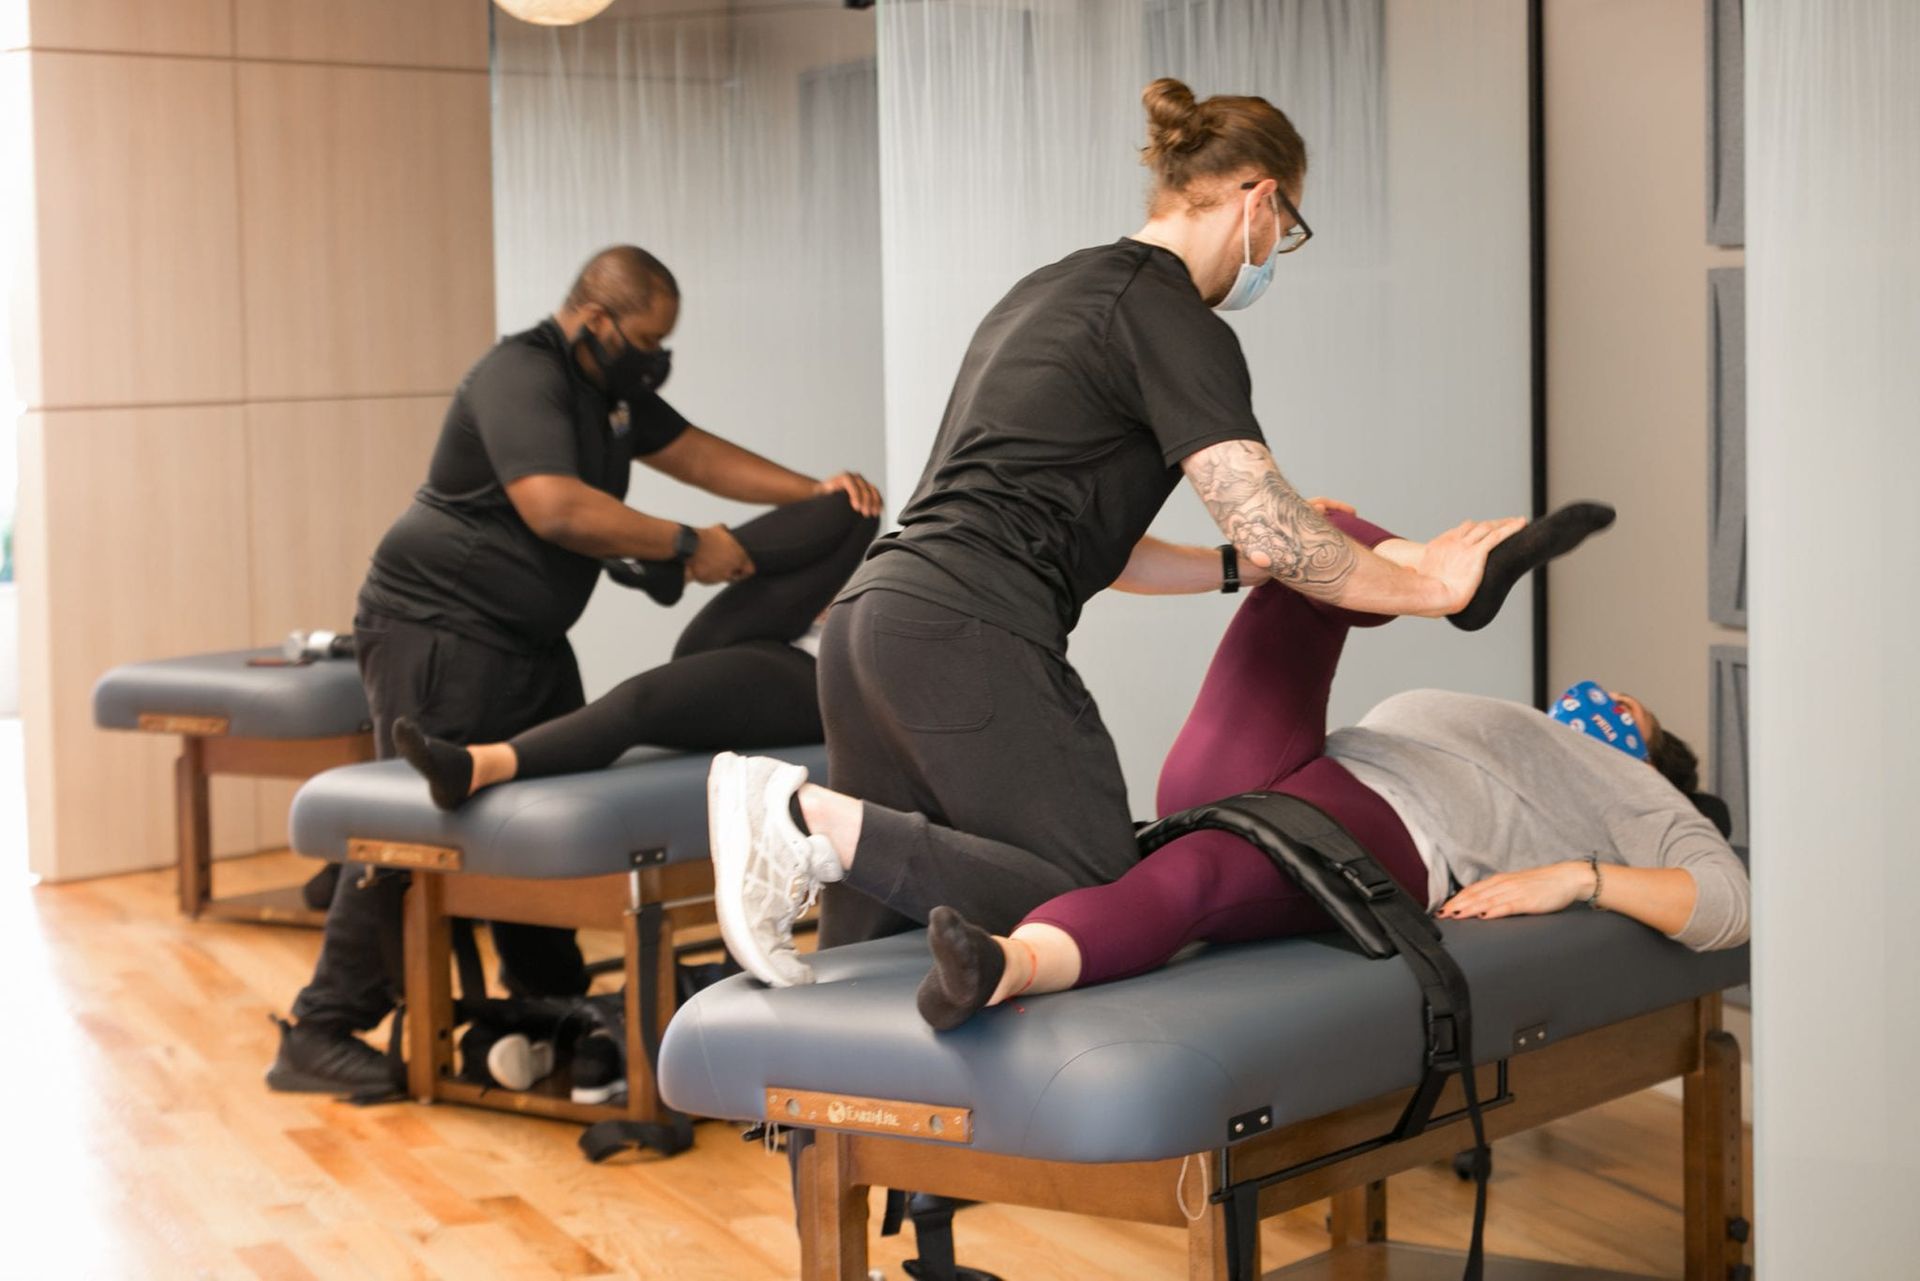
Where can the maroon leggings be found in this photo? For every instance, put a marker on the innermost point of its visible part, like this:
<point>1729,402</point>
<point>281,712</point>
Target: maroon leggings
<point>1260,723</point>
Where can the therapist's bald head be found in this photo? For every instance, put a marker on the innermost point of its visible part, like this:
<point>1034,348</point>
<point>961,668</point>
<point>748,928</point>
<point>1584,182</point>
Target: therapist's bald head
<point>622,279</point>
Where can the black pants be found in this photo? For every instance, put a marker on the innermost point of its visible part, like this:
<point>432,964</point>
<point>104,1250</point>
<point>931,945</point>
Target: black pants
<point>738,685</point>
<point>463,690</point>
<point>734,681</point>
<point>990,782</point>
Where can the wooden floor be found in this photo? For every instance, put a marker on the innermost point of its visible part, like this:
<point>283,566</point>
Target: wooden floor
<point>139,1141</point>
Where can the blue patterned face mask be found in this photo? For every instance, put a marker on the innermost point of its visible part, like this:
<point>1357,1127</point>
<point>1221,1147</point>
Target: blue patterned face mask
<point>1592,711</point>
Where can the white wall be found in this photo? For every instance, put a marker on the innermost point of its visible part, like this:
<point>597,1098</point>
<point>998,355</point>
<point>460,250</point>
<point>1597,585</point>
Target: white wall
<point>1833,165</point>
<point>1390,358</point>
<point>1627,350</point>
<point>685,134</point>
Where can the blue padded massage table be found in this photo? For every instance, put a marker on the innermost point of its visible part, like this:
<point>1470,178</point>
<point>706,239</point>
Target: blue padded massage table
<point>236,717</point>
<point>622,849</point>
<point>1269,1075</point>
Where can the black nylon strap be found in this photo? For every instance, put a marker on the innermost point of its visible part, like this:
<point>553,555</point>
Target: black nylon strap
<point>933,1236</point>
<point>651,917</point>
<point>670,1137</point>
<point>895,1214</point>
<point>1360,895</point>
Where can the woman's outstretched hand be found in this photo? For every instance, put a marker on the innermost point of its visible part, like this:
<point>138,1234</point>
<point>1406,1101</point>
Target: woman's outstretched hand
<point>1533,892</point>
<point>1457,559</point>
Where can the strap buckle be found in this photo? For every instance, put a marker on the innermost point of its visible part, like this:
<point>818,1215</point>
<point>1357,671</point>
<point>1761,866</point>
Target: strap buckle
<point>1369,878</point>
<point>1443,1042</point>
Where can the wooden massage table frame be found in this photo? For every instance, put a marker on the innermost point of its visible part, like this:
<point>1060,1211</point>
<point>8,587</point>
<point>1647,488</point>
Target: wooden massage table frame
<point>1339,1156</point>
<point>648,905</point>
<point>207,749</point>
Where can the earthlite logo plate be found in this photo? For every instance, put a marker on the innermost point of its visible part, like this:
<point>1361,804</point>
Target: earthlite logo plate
<point>813,1110</point>
<point>192,726</point>
<point>438,858</point>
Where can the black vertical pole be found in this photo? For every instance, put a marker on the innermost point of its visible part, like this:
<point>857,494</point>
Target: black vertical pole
<point>1537,226</point>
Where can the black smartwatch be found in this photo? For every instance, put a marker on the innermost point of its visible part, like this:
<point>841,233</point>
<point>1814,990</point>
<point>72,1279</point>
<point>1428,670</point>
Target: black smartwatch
<point>1229,569</point>
<point>686,543</point>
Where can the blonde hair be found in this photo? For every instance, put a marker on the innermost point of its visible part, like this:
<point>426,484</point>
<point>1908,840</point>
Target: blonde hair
<point>1188,141</point>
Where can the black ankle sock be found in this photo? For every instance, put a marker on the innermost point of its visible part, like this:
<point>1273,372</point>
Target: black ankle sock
<point>967,965</point>
<point>664,580</point>
<point>447,767</point>
<point>1551,536</point>
<point>799,819</point>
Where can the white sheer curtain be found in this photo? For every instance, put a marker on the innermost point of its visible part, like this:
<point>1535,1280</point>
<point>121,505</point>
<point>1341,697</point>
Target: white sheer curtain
<point>1391,356</point>
<point>739,143</point>
<point>1833,447</point>
<point>744,145</point>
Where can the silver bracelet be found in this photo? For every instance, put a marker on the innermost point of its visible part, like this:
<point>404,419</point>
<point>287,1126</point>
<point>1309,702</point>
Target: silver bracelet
<point>1593,899</point>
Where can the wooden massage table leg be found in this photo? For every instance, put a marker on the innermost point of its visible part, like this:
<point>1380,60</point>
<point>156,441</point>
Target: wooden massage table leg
<point>833,1211</point>
<point>1207,1243</point>
<point>193,814</point>
<point>1717,1229</point>
<point>429,981</point>
<point>1358,1216</point>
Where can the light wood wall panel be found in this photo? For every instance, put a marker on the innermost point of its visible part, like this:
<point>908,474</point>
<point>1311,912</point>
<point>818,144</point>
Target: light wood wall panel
<point>416,33</point>
<point>137,209</point>
<point>221,242</point>
<point>139,538</point>
<point>367,229</point>
<point>132,26</point>
<point>327,478</point>
<point>19,248</point>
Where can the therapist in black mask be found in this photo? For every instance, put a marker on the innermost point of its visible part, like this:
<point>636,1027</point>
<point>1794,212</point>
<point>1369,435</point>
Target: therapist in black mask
<point>462,622</point>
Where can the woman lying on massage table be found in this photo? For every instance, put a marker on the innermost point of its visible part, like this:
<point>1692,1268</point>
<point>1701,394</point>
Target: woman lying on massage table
<point>1445,790</point>
<point>742,674</point>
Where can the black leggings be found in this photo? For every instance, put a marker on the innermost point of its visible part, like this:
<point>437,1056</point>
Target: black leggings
<point>735,681</point>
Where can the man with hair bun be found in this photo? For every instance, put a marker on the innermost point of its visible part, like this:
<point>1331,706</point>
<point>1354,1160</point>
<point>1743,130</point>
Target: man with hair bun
<point>461,627</point>
<point>969,764</point>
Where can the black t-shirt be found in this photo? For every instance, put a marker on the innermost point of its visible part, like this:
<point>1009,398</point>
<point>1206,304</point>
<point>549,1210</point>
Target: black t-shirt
<point>460,557</point>
<point>1081,393</point>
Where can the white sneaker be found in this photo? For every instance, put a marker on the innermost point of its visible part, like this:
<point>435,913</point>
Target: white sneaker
<point>766,871</point>
<point>516,1063</point>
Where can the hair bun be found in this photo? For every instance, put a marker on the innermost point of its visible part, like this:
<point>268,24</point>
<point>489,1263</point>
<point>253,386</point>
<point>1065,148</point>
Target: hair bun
<point>1175,123</point>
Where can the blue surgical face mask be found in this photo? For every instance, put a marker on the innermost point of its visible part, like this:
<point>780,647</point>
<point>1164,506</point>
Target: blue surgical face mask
<point>1252,281</point>
<point>1594,712</point>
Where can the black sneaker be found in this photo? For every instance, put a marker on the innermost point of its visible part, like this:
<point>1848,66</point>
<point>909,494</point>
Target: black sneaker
<point>599,1068</point>
<point>320,1059</point>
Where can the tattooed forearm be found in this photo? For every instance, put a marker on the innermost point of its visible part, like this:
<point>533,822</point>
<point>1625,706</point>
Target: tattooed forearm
<point>1269,522</point>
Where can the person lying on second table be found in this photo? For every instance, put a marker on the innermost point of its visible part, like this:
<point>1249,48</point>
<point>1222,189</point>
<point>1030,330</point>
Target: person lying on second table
<point>968,762</point>
<point>1478,807</point>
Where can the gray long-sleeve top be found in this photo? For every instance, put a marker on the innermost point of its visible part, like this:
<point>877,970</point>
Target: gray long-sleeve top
<point>1486,786</point>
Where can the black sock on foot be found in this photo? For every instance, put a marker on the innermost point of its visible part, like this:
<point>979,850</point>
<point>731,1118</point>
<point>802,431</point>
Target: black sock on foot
<point>447,767</point>
<point>967,965</point>
<point>664,580</point>
<point>1551,536</point>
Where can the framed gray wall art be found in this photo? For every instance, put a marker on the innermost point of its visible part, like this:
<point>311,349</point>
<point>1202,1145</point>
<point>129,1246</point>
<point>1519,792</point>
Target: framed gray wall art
<point>1727,446</point>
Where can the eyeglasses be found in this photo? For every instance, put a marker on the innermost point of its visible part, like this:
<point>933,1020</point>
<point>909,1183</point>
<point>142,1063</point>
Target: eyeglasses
<point>1301,233</point>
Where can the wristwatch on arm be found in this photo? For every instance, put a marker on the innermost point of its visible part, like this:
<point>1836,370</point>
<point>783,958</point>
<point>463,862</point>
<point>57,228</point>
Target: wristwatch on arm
<point>1229,569</point>
<point>685,543</point>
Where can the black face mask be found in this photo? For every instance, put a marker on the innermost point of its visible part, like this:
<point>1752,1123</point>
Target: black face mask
<point>632,371</point>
